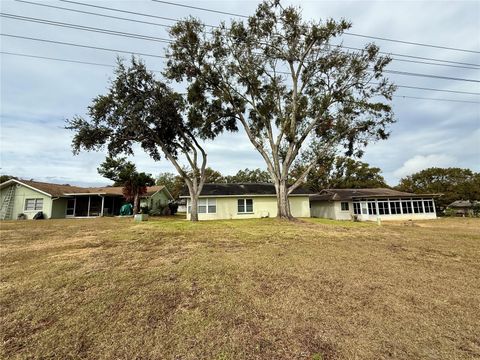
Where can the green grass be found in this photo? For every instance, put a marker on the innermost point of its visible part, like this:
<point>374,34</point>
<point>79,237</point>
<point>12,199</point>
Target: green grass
<point>241,289</point>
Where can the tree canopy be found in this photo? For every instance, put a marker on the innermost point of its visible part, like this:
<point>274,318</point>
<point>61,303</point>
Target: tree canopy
<point>249,176</point>
<point>294,93</point>
<point>139,109</point>
<point>342,173</point>
<point>453,183</point>
<point>124,173</point>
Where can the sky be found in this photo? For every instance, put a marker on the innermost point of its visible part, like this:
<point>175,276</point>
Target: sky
<point>38,95</point>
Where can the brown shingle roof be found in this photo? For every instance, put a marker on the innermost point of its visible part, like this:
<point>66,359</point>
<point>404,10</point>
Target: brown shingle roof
<point>58,190</point>
<point>349,194</point>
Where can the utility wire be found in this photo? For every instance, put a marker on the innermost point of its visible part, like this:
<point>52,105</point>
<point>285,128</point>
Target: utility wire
<point>83,46</point>
<point>213,26</point>
<point>347,33</point>
<point>85,28</point>
<point>95,14</point>
<point>413,57</point>
<point>405,73</point>
<point>107,65</point>
<point>200,8</point>
<point>434,99</point>
<point>120,10</point>
<point>170,26</point>
<point>63,60</point>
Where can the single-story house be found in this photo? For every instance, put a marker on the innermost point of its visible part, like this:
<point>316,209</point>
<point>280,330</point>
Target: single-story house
<point>66,201</point>
<point>372,204</point>
<point>463,207</point>
<point>244,201</point>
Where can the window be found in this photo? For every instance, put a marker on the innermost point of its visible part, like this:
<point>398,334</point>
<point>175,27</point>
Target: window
<point>417,206</point>
<point>344,206</point>
<point>383,208</point>
<point>356,208</point>
<point>395,207</point>
<point>33,204</point>
<point>202,206</point>
<point>429,207</point>
<point>205,206</point>
<point>245,205</point>
<point>212,206</point>
<point>407,206</point>
<point>372,208</point>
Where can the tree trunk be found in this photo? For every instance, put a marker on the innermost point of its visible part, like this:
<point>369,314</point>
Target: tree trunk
<point>283,205</point>
<point>193,207</point>
<point>136,204</point>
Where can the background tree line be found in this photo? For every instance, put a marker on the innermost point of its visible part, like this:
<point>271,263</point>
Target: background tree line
<point>342,173</point>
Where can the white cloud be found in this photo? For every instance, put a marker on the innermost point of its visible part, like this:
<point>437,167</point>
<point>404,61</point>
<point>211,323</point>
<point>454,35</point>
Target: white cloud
<point>421,162</point>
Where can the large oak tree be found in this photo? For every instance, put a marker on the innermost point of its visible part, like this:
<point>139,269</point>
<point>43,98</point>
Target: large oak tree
<point>139,109</point>
<point>292,89</point>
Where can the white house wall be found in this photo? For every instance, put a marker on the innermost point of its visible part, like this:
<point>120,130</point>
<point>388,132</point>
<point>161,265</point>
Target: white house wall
<point>263,206</point>
<point>332,210</point>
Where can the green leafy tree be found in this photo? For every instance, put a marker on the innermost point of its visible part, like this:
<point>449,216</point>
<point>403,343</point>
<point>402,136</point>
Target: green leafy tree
<point>124,173</point>
<point>453,183</point>
<point>4,178</point>
<point>175,184</point>
<point>292,91</point>
<point>342,173</point>
<point>249,176</point>
<point>138,109</point>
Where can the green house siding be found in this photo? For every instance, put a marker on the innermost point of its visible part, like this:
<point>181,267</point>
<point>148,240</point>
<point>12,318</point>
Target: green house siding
<point>157,201</point>
<point>21,194</point>
<point>59,208</point>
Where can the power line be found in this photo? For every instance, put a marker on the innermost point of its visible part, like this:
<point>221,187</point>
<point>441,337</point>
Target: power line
<point>437,64</point>
<point>107,65</point>
<point>466,65</point>
<point>170,26</point>
<point>347,33</point>
<point>63,60</point>
<point>440,90</point>
<point>94,13</point>
<point>429,76</point>
<point>413,56</point>
<point>85,28</point>
<point>413,43</point>
<point>200,8</point>
<point>83,46</point>
<point>434,99</point>
<point>164,57</point>
<point>119,10</point>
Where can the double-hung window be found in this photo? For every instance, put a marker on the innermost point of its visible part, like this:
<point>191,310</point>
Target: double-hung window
<point>33,204</point>
<point>344,206</point>
<point>372,208</point>
<point>245,206</point>
<point>205,206</point>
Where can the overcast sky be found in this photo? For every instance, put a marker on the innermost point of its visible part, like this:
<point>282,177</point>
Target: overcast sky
<point>37,95</point>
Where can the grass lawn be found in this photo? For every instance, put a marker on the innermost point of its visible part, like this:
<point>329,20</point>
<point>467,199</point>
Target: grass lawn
<point>244,289</point>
